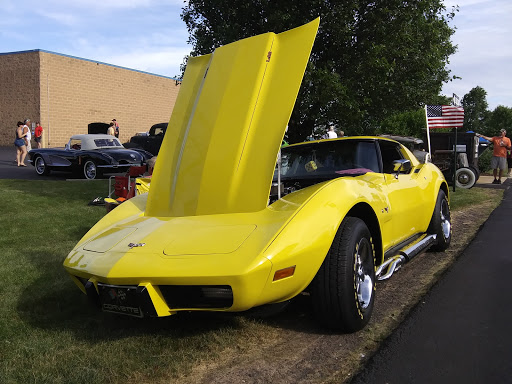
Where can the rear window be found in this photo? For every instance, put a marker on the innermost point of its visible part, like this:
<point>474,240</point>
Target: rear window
<point>101,143</point>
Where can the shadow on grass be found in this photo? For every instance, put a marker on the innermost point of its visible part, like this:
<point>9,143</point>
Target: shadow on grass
<point>53,302</point>
<point>60,306</point>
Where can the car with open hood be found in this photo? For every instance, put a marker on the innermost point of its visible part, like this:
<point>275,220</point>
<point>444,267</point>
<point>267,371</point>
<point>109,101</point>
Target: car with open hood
<point>88,155</point>
<point>232,221</point>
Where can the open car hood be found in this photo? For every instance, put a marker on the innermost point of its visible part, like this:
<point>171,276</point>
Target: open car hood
<point>220,148</point>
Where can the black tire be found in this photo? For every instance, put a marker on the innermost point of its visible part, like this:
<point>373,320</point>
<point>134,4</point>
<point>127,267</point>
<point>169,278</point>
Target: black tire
<point>440,224</point>
<point>465,178</point>
<point>90,170</point>
<point>41,167</point>
<point>343,290</point>
<point>475,171</point>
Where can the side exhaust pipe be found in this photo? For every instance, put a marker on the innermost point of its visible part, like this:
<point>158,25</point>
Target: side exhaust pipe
<point>390,266</point>
<point>394,263</point>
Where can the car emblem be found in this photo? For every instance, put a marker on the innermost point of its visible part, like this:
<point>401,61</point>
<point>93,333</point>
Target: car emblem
<point>132,155</point>
<point>133,245</point>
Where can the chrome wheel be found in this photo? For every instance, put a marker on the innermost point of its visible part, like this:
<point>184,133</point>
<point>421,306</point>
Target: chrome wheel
<point>40,166</point>
<point>445,219</point>
<point>465,178</point>
<point>90,170</point>
<point>363,273</point>
<point>440,224</point>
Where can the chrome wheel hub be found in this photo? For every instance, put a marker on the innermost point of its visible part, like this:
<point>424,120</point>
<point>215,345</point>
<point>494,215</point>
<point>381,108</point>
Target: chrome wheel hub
<point>363,273</point>
<point>463,178</point>
<point>90,170</point>
<point>39,165</point>
<point>445,220</point>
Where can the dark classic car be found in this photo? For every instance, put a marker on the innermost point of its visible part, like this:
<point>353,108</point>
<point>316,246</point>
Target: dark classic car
<point>152,141</point>
<point>90,155</point>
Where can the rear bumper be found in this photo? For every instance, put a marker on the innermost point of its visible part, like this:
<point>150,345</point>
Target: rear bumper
<point>171,295</point>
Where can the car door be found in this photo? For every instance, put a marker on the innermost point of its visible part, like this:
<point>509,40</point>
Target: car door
<point>405,193</point>
<point>73,151</point>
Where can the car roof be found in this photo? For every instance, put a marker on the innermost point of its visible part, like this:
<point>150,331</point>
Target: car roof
<point>88,140</point>
<point>403,139</point>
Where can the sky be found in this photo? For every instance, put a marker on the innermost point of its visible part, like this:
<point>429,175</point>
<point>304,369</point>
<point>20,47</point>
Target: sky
<point>148,35</point>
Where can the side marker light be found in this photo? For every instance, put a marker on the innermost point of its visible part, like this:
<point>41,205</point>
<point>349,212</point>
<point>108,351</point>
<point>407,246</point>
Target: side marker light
<point>283,273</point>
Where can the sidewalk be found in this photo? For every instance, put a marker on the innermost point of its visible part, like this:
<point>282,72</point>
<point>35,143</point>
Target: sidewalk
<point>485,181</point>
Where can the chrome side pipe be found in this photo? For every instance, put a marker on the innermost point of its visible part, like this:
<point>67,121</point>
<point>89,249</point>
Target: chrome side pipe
<point>394,263</point>
<point>391,265</point>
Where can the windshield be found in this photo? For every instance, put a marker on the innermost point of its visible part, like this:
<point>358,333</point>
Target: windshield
<point>329,159</point>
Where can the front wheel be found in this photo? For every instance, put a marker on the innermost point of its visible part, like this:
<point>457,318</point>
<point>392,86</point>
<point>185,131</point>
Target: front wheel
<point>343,291</point>
<point>41,166</point>
<point>90,170</point>
<point>440,224</point>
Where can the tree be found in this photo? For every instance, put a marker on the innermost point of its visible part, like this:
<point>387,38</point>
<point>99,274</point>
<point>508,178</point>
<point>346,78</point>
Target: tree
<point>371,59</point>
<point>475,109</point>
<point>500,118</point>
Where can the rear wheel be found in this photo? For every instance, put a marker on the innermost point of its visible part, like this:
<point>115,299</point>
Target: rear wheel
<point>343,290</point>
<point>465,178</point>
<point>90,170</point>
<point>475,171</point>
<point>41,166</point>
<point>440,224</point>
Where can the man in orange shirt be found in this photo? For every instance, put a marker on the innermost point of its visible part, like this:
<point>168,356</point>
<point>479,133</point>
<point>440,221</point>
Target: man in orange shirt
<point>499,154</point>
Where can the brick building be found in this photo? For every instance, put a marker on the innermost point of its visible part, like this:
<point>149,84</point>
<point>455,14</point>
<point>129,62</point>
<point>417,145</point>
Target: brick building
<point>67,93</point>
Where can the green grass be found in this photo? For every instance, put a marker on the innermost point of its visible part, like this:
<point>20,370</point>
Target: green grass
<point>48,331</point>
<point>463,198</point>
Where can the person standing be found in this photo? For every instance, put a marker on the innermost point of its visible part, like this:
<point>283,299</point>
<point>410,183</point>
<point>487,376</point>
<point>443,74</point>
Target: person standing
<point>19,143</point>
<point>28,134</point>
<point>38,134</point>
<point>116,128</point>
<point>111,130</point>
<point>331,134</point>
<point>499,154</point>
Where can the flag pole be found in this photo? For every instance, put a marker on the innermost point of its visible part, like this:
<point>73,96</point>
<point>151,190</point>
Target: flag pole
<point>455,162</point>
<point>428,134</point>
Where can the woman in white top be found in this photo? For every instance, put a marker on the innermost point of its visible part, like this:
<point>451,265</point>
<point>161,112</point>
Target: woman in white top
<point>111,131</point>
<point>28,136</point>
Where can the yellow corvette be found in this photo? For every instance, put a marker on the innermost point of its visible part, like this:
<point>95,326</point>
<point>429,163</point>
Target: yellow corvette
<point>225,229</point>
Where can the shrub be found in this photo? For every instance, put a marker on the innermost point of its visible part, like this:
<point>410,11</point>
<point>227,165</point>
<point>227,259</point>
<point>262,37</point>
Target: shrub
<point>484,160</point>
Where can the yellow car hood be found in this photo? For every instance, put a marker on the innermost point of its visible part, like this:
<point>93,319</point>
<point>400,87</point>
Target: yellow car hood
<point>180,237</point>
<point>220,148</point>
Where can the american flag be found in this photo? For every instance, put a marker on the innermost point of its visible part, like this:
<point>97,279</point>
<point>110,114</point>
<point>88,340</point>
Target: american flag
<point>445,116</point>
